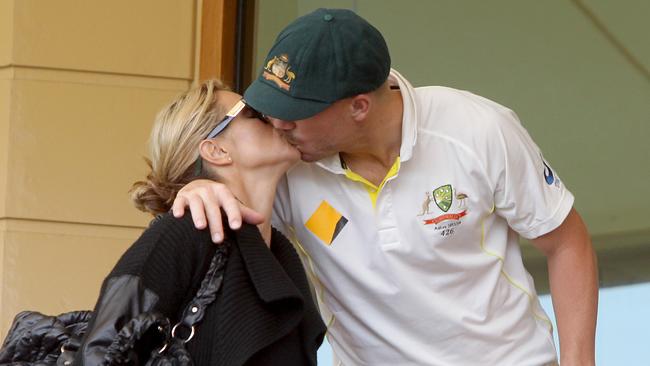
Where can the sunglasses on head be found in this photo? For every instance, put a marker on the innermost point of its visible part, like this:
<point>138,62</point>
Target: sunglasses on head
<point>232,114</point>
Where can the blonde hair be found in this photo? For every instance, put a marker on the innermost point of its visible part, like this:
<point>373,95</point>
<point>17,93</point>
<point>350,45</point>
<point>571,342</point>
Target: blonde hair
<point>174,146</point>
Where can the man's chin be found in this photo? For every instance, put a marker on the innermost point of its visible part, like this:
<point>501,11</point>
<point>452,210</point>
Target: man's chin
<point>312,157</point>
<point>308,158</point>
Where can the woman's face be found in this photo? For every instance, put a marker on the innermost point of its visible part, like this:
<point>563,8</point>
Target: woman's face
<point>255,143</point>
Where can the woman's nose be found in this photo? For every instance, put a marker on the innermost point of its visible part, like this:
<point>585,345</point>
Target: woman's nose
<point>282,124</point>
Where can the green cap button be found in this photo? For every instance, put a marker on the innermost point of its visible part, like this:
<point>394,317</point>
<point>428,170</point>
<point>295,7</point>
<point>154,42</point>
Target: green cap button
<point>327,17</point>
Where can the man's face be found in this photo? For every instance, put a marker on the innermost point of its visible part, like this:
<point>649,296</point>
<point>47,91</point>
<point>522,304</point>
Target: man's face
<point>326,133</point>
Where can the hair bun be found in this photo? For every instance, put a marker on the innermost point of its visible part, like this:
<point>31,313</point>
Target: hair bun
<point>154,195</point>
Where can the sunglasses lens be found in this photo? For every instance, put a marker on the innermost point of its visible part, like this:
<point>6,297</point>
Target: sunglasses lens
<point>262,117</point>
<point>256,114</point>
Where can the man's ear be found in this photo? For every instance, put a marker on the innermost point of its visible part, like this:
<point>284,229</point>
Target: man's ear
<point>360,106</point>
<point>212,152</point>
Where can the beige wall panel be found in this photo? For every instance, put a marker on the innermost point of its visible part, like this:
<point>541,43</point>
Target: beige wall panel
<point>76,148</point>
<point>5,94</point>
<point>6,31</point>
<point>3,267</point>
<point>146,37</point>
<point>54,268</point>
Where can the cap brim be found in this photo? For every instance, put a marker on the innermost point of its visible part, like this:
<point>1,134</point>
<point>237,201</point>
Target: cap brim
<point>271,101</point>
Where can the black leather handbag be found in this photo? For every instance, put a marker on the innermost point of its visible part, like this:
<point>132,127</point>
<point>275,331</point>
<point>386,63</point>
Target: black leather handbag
<point>35,339</point>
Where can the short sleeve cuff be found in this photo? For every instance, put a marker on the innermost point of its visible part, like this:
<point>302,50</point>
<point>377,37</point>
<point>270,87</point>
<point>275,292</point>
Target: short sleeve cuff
<point>555,220</point>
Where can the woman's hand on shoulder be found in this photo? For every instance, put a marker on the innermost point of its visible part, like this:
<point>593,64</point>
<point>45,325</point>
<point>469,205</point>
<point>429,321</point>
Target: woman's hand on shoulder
<point>205,199</point>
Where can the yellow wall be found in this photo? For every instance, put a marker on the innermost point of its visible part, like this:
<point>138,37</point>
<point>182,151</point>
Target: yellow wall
<point>80,83</point>
<point>5,89</point>
<point>6,31</point>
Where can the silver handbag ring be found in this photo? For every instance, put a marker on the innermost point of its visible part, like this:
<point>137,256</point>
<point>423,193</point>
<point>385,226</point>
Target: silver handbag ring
<point>188,338</point>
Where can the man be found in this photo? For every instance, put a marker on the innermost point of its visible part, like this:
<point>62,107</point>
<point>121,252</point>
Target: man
<point>407,206</point>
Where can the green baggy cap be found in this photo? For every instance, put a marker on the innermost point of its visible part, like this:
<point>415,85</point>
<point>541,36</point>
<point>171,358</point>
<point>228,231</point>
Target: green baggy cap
<point>321,57</point>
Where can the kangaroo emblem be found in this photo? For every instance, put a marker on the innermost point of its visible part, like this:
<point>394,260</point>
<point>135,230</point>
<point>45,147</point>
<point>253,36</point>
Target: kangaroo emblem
<point>426,203</point>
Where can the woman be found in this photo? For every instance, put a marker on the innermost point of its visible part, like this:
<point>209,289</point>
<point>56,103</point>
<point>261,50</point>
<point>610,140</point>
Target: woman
<point>264,313</point>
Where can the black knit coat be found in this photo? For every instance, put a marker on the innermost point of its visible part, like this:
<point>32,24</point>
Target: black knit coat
<point>264,313</point>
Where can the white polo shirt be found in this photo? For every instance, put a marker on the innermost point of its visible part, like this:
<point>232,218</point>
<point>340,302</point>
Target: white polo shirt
<point>431,272</point>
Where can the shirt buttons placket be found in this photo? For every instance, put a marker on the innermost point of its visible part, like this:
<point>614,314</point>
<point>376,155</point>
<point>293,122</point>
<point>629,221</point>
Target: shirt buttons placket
<point>386,223</point>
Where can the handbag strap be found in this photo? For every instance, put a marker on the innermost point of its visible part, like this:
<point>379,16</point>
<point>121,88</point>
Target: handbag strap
<point>207,293</point>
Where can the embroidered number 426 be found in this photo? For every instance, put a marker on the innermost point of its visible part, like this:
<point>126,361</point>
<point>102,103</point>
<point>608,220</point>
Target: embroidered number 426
<point>447,232</point>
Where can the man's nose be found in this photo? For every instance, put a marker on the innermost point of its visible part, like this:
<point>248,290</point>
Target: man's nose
<point>282,124</point>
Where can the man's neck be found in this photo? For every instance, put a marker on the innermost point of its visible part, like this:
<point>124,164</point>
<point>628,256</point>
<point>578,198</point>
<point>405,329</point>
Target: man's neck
<point>382,140</point>
<point>368,166</point>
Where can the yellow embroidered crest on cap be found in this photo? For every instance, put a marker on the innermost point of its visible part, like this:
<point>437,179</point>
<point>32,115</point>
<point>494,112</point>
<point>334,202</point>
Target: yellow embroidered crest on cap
<point>279,71</point>
<point>326,223</point>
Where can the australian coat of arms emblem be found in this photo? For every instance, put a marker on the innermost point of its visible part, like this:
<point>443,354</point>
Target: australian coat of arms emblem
<point>279,71</point>
<point>445,197</point>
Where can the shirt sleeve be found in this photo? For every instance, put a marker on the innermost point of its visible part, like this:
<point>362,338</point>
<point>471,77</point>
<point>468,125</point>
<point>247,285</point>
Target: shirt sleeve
<point>528,192</point>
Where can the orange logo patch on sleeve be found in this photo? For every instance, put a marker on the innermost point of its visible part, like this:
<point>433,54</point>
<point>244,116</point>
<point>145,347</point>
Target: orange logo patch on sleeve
<point>326,223</point>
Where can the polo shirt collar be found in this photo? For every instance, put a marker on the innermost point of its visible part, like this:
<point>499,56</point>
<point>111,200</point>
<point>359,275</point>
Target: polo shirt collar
<point>332,163</point>
<point>409,116</point>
